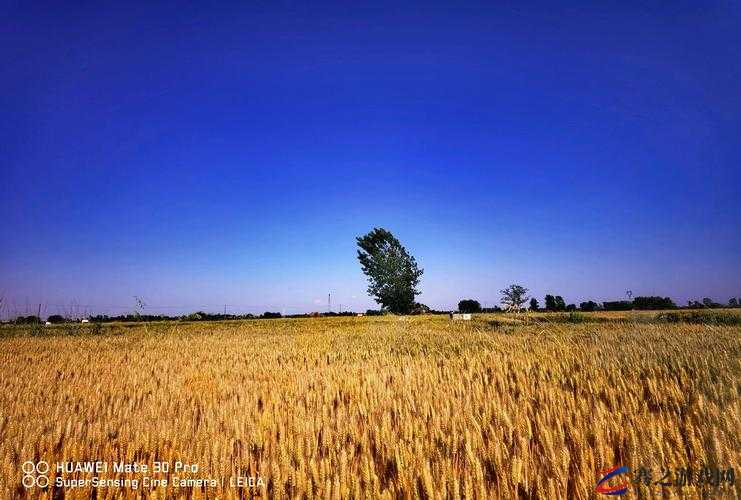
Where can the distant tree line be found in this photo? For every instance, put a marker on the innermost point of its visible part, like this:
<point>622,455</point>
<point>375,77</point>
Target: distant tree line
<point>556,303</point>
<point>553,303</point>
<point>204,316</point>
<point>27,320</point>
<point>708,303</point>
<point>196,316</point>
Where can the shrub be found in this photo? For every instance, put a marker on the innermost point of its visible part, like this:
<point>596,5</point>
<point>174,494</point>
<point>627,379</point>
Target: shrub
<point>701,317</point>
<point>27,320</point>
<point>419,309</point>
<point>575,317</point>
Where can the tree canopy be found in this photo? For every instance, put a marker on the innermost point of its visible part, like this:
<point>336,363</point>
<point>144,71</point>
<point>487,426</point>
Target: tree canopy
<point>514,296</point>
<point>469,306</point>
<point>393,274</point>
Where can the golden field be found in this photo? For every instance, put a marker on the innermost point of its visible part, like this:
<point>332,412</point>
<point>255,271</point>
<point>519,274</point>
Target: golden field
<point>504,406</point>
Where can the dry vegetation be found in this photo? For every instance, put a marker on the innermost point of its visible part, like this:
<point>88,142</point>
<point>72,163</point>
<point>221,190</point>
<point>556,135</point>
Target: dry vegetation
<point>378,407</point>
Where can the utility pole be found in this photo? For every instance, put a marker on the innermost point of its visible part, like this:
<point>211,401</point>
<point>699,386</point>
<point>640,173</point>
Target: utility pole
<point>329,302</point>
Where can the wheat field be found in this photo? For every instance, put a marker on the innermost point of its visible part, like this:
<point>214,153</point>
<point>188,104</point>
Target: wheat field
<point>387,407</point>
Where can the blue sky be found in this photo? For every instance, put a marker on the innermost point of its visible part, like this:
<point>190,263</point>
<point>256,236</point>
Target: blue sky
<point>206,156</point>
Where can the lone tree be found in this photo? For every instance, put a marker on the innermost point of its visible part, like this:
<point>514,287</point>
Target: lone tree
<point>513,297</point>
<point>534,306</point>
<point>393,274</point>
<point>550,303</point>
<point>469,306</point>
<point>560,304</point>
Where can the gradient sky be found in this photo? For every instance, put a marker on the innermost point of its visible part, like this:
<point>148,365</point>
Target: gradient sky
<point>201,156</point>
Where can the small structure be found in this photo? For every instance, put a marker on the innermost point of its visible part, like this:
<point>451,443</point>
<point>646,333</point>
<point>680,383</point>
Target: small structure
<point>460,316</point>
<point>85,321</point>
<point>48,323</point>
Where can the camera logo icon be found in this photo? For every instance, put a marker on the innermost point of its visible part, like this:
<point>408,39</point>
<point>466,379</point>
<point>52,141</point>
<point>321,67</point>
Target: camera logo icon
<point>35,474</point>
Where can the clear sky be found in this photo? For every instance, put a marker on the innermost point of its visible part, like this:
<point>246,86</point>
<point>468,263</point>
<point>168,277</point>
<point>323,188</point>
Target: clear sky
<point>202,156</point>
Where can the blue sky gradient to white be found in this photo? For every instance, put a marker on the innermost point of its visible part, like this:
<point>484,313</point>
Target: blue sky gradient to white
<point>199,156</point>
